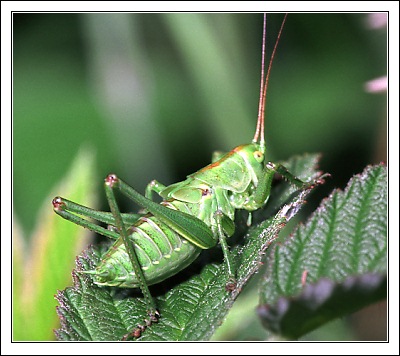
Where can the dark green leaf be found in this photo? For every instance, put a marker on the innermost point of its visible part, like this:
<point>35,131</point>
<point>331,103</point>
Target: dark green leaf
<point>321,302</point>
<point>335,264</point>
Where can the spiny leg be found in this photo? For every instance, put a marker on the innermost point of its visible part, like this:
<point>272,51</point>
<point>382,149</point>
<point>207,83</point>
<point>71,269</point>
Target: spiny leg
<point>263,189</point>
<point>282,170</point>
<point>226,224</point>
<point>72,212</point>
<point>110,183</point>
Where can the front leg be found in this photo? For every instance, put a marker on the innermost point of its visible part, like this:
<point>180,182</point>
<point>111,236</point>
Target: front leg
<point>225,226</point>
<point>264,185</point>
<point>292,179</point>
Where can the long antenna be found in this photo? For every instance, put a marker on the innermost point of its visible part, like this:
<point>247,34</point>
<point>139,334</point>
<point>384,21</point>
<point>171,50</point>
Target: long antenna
<point>264,85</point>
<point>260,102</point>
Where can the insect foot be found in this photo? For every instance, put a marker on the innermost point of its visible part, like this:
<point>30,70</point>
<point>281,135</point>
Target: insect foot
<point>138,331</point>
<point>321,179</point>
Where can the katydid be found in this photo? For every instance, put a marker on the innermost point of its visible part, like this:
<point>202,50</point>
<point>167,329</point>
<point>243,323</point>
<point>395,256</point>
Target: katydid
<point>195,214</point>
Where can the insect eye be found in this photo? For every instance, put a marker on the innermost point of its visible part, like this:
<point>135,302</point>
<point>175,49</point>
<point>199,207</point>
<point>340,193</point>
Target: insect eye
<point>259,156</point>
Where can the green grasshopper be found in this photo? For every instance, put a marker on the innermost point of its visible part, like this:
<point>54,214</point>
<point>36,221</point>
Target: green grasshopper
<point>194,214</point>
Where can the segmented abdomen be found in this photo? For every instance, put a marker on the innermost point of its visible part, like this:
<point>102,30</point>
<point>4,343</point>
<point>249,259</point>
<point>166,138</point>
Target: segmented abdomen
<point>160,250</point>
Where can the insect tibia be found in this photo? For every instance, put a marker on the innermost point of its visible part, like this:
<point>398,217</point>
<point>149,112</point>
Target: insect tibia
<point>83,216</point>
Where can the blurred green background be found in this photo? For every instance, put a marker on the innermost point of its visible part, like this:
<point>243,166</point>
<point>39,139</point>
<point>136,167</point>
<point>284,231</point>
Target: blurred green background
<point>153,95</point>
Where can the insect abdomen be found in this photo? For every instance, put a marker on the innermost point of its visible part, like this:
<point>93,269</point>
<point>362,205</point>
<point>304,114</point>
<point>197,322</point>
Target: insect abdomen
<point>160,250</point>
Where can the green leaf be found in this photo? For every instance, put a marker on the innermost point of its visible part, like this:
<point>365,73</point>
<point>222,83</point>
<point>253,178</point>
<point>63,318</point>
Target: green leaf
<point>332,266</point>
<point>192,307</point>
<point>43,267</point>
